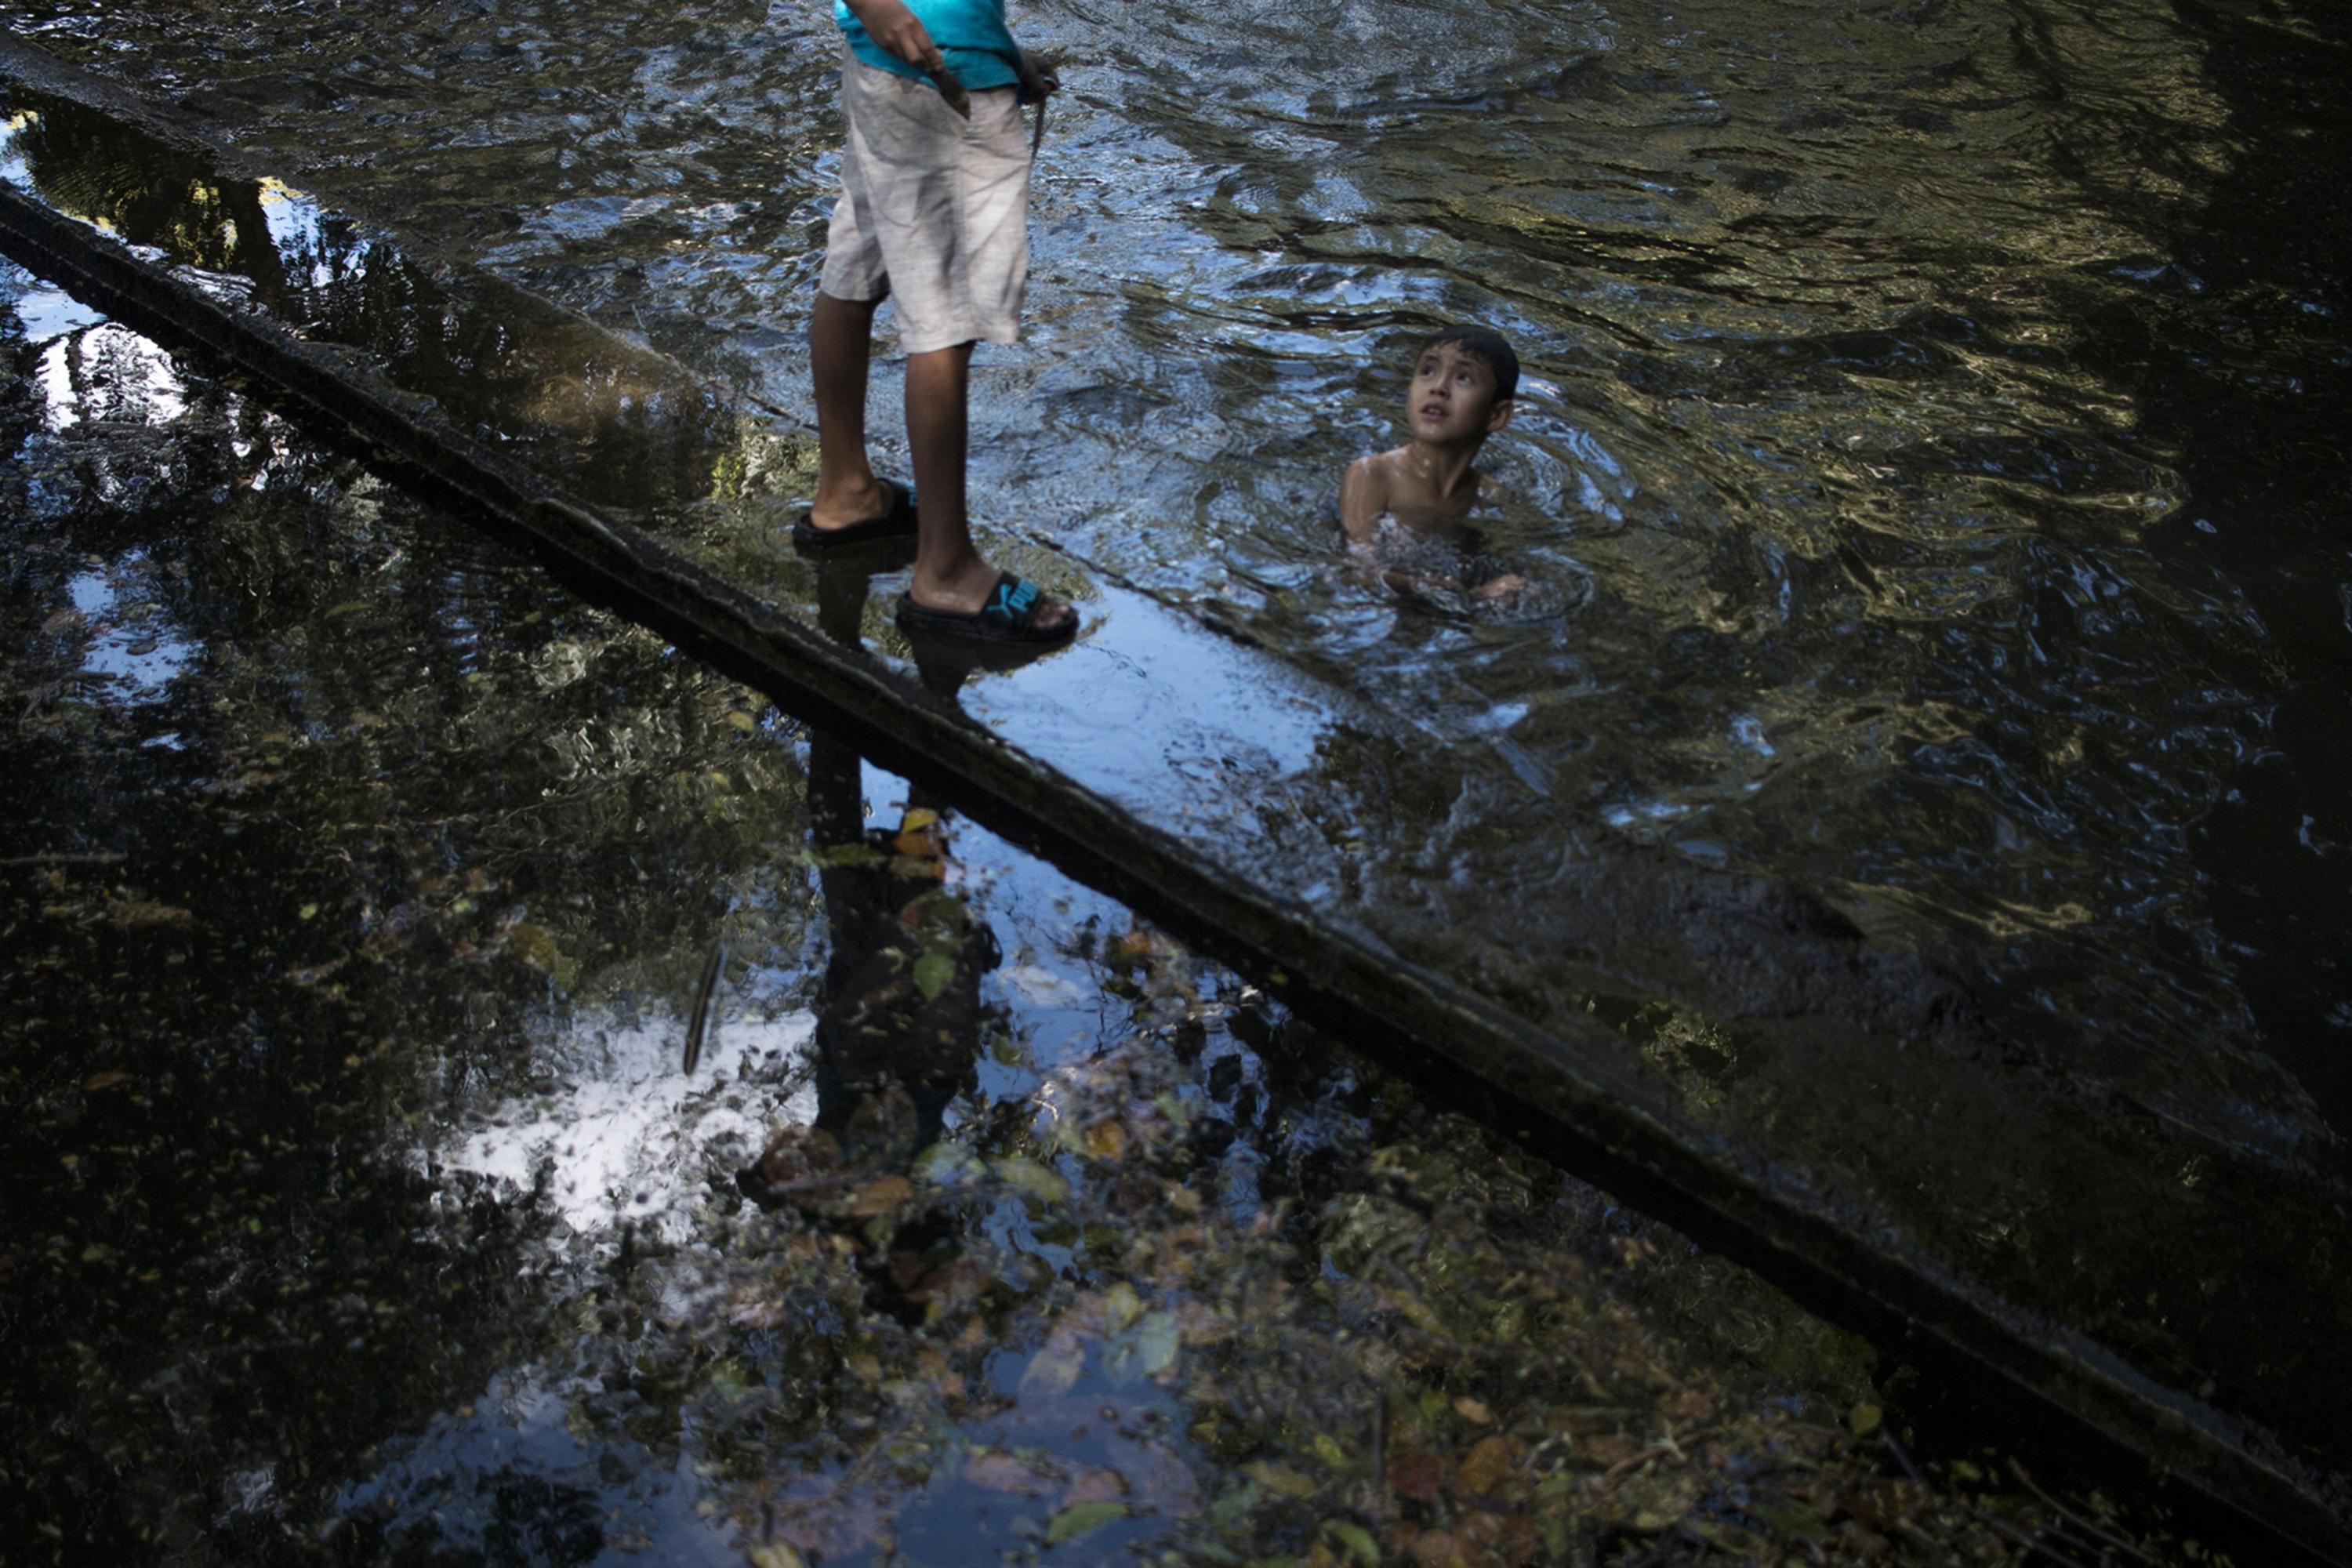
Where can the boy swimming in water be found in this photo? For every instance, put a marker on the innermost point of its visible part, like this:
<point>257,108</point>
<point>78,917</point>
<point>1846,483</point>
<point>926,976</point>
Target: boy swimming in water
<point>1462,390</point>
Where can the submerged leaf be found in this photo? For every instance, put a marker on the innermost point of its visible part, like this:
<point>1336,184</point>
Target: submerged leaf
<point>1077,1521</point>
<point>1355,1539</point>
<point>1486,1465</point>
<point>1121,1307</point>
<point>133,914</point>
<point>879,1198</point>
<point>1000,1472</point>
<point>531,944</point>
<point>932,973</point>
<point>1416,1476</point>
<point>1054,1370</point>
<point>1157,1342</point>
<point>1030,1179</point>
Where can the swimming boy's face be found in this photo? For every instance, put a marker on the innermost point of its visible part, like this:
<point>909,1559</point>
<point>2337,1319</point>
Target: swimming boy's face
<point>1452,396</point>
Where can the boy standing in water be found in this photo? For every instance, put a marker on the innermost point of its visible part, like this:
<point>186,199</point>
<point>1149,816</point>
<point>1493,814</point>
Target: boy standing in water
<point>933,215</point>
<point>1460,393</point>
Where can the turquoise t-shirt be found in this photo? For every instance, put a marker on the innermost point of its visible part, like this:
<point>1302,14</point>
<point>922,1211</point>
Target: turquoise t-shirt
<point>971,34</point>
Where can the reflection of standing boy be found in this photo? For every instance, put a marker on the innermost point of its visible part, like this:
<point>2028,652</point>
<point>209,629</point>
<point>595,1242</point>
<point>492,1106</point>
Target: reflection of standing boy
<point>933,215</point>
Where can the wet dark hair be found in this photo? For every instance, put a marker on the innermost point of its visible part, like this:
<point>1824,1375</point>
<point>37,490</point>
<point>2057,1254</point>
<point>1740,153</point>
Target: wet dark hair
<point>1488,345</point>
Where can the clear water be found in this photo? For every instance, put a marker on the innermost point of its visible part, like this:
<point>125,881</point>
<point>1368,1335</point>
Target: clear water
<point>1917,462</point>
<point>1927,465</point>
<point>364,1207</point>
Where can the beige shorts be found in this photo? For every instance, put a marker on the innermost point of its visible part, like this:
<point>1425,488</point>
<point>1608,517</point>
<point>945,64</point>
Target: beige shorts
<point>934,209</point>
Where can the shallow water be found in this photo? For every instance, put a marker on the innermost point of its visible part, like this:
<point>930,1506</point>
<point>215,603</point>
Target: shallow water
<point>364,1207</point>
<point>1928,462</point>
<point>1917,462</point>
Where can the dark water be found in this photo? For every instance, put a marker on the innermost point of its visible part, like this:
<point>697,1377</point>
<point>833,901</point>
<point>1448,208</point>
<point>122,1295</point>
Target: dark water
<point>1924,463</point>
<point>362,1209</point>
<point>1929,465</point>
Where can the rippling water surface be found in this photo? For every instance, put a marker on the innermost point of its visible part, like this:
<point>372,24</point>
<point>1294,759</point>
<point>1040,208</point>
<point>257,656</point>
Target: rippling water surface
<point>1928,462</point>
<point>1925,464</point>
<point>367,1206</point>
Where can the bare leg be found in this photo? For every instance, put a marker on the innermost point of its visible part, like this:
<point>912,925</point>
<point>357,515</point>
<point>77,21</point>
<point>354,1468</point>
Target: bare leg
<point>841,337</point>
<point>950,573</point>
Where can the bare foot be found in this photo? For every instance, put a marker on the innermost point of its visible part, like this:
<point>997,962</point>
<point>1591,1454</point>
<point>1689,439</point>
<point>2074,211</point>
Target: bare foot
<point>852,500</point>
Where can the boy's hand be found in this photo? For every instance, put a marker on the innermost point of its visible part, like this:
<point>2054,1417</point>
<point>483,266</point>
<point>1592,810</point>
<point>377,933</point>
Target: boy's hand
<point>1038,80</point>
<point>1494,589</point>
<point>900,31</point>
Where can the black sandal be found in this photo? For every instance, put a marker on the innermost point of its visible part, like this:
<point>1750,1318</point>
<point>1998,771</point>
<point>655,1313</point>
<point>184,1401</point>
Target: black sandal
<point>899,522</point>
<point>1009,617</point>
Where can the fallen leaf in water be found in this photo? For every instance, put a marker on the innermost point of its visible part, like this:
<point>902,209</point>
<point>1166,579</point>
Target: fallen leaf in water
<point>1157,1342</point>
<point>1280,1478</point>
<point>1073,1522</point>
<point>932,973</point>
<point>1121,1307</point>
<point>531,944</point>
<point>1042,987</point>
<point>1054,1368</point>
<point>1137,946</point>
<point>1163,1482</point>
<point>1486,1467</point>
<point>1435,1549</point>
<point>879,1198</point>
<point>1416,1475</point>
<point>1355,1540</point>
<point>1096,1486</point>
<point>1030,1179</point>
<point>133,914</point>
<point>1606,1448</point>
<point>920,835</point>
<point>1000,1472</point>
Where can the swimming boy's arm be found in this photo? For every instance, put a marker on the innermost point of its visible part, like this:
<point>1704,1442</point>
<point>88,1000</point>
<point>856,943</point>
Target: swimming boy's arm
<point>1363,496</point>
<point>890,24</point>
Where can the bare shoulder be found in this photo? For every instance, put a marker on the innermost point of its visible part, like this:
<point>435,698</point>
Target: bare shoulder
<point>1364,493</point>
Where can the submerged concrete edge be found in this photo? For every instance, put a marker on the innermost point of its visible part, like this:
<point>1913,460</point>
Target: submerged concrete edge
<point>1533,1081</point>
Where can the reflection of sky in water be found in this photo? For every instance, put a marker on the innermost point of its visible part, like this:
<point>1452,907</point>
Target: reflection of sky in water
<point>626,1135</point>
<point>12,158</point>
<point>140,660</point>
<point>135,379</point>
<point>46,313</point>
<point>297,227</point>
